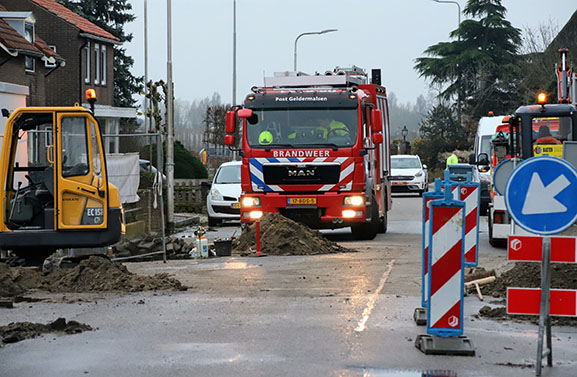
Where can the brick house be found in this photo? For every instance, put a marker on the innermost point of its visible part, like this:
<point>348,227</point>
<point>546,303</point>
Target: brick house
<point>88,53</point>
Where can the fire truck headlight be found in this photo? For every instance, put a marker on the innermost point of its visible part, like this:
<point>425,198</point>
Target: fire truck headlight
<point>357,200</point>
<point>216,195</point>
<point>255,215</point>
<point>248,202</point>
<point>349,213</point>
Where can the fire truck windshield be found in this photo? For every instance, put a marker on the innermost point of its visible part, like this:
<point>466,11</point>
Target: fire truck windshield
<point>302,128</point>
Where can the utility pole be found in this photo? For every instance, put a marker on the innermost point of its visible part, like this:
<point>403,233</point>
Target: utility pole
<point>169,125</point>
<point>235,153</point>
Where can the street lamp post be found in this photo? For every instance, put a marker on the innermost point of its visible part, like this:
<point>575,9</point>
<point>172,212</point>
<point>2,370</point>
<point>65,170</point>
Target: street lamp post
<point>451,2</point>
<point>309,33</point>
<point>169,123</point>
<point>405,132</point>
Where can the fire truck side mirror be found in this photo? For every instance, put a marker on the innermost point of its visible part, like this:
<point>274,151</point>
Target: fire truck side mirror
<point>483,159</point>
<point>377,121</point>
<point>245,113</point>
<point>378,138</point>
<point>230,122</point>
<point>229,140</point>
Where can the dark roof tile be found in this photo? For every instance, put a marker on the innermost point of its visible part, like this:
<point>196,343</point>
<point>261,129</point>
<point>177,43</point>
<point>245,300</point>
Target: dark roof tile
<point>14,41</point>
<point>80,22</point>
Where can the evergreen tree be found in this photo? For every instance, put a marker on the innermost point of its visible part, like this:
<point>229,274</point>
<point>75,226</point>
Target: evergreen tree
<point>480,67</point>
<point>440,132</point>
<point>112,15</point>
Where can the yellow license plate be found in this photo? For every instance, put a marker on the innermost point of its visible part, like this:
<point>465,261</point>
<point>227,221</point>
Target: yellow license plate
<point>236,205</point>
<point>302,201</point>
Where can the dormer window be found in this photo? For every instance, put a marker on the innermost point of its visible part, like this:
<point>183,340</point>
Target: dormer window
<point>29,32</point>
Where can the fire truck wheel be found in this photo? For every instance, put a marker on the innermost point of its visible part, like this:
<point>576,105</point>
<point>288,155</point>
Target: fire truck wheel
<point>368,231</point>
<point>383,223</point>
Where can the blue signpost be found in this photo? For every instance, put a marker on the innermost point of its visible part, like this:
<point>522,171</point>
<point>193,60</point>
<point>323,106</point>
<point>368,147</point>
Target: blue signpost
<point>541,197</point>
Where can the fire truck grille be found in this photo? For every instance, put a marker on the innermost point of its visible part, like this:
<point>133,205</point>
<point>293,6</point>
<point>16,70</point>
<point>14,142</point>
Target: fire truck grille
<point>301,175</point>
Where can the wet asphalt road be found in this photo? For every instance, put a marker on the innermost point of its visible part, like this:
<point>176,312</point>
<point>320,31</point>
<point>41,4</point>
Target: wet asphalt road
<point>259,317</point>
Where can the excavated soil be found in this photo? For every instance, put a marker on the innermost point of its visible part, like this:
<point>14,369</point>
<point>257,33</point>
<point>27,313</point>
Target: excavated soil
<point>96,274</point>
<point>528,275</point>
<point>282,236</point>
<point>18,331</point>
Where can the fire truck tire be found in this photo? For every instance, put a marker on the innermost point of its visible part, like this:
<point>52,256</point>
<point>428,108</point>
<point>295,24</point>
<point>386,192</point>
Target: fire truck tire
<point>383,223</point>
<point>368,231</point>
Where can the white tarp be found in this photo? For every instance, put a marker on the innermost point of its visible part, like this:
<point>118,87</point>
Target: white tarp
<point>124,173</point>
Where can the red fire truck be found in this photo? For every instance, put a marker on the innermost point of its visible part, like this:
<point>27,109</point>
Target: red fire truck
<point>316,148</point>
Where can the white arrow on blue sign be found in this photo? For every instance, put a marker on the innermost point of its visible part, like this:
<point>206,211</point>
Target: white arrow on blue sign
<point>541,195</point>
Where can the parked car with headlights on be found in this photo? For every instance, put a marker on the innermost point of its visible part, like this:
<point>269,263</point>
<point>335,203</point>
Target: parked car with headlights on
<point>222,201</point>
<point>408,174</point>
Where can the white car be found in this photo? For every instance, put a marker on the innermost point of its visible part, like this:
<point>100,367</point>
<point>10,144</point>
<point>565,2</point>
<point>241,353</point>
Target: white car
<point>408,174</point>
<point>222,201</point>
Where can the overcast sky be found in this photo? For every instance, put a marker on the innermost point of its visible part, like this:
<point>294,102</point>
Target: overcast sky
<point>386,34</point>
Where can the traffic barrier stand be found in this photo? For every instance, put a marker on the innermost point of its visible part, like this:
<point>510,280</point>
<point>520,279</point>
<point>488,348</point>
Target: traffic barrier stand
<point>469,192</point>
<point>544,301</point>
<point>420,314</point>
<point>446,279</point>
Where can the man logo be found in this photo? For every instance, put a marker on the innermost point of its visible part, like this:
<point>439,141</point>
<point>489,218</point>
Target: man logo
<point>301,172</point>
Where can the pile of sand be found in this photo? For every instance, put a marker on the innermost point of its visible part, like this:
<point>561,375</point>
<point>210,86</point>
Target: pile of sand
<point>18,331</point>
<point>95,274</point>
<point>282,236</point>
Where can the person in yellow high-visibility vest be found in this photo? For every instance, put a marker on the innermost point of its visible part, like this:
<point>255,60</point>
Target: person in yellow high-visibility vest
<point>452,159</point>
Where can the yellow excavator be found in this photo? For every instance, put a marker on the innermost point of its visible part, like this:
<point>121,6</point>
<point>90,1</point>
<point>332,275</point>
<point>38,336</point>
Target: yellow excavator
<point>55,192</point>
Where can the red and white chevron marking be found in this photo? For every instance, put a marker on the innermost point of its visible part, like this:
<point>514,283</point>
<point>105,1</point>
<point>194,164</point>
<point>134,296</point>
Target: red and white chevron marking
<point>470,195</point>
<point>446,268</point>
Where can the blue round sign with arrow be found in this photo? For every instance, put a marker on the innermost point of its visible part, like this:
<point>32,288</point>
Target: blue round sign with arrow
<point>541,195</point>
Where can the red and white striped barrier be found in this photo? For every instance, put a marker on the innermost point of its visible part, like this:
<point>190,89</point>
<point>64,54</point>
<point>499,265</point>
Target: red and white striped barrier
<point>530,249</point>
<point>471,195</point>
<point>427,199</point>
<point>446,263</point>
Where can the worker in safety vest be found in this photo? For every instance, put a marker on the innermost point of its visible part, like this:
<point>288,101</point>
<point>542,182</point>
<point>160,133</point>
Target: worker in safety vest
<point>452,159</point>
<point>544,136</point>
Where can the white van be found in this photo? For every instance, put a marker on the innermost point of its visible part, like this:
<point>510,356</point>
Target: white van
<point>485,131</point>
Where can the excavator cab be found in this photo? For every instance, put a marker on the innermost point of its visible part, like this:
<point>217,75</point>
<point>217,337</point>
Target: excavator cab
<point>55,191</point>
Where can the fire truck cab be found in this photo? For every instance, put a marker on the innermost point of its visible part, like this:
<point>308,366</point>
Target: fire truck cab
<point>316,148</point>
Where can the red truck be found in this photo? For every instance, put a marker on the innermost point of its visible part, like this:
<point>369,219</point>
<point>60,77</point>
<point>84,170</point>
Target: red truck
<point>316,148</point>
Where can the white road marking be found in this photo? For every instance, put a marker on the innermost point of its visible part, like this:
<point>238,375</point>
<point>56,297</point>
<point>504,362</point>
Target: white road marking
<point>362,325</point>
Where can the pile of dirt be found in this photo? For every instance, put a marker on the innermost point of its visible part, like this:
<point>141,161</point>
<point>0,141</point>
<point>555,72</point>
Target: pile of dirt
<point>500,314</point>
<point>528,275</point>
<point>282,236</point>
<point>95,274</point>
<point>18,331</point>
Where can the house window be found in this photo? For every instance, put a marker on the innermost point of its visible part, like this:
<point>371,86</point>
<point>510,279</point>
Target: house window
<point>87,67</point>
<point>104,65</point>
<point>47,64</point>
<point>29,64</point>
<point>29,32</point>
<point>96,63</point>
